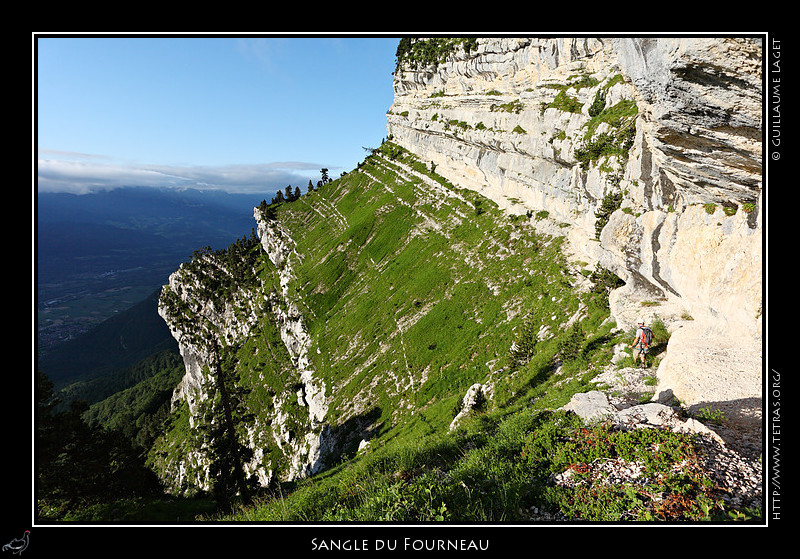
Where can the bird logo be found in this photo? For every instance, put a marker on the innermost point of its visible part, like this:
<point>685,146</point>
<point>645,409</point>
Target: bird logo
<point>18,545</point>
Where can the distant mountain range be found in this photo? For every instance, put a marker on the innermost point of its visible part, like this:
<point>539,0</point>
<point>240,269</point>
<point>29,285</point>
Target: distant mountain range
<point>101,254</point>
<point>124,228</point>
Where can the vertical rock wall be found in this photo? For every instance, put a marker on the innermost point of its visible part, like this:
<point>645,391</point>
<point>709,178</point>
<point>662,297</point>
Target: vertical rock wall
<point>308,452</point>
<point>686,237</point>
<point>195,314</point>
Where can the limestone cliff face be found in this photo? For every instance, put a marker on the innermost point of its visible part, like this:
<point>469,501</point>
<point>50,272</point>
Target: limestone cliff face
<point>194,315</point>
<point>308,451</point>
<point>526,121</point>
<point>206,314</point>
<point>230,319</point>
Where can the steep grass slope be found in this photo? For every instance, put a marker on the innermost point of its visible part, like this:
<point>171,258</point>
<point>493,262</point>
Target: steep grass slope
<point>410,292</point>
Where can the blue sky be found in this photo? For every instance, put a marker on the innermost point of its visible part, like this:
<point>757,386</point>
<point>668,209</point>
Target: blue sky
<point>240,113</point>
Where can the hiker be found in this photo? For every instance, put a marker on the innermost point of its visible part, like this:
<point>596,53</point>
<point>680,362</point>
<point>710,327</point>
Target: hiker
<point>641,343</point>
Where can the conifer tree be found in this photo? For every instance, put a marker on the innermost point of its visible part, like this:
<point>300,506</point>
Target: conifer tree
<point>221,414</point>
<point>79,464</point>
<point>224,419</point>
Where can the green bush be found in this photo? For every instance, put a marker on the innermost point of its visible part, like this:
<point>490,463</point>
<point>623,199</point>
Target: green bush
<point>563,102</point>
<point>611,203</point>
<point>598,104</point>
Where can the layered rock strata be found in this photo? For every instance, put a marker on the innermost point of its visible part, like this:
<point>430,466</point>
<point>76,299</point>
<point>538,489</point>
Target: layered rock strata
<point>517,119</point>
<point>230,320</point>
<point>307,452</point>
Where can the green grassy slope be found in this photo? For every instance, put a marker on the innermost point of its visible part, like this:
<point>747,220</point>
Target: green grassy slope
<point>412,291</point>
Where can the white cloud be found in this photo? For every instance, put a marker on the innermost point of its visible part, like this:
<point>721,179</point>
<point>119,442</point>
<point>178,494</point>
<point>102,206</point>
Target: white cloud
<point>82,173</point>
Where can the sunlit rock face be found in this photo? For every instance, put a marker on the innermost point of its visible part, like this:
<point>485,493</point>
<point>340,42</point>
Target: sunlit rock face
<point>685,233</point>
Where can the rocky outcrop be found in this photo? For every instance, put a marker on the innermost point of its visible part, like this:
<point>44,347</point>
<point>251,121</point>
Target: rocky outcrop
<point>307,452</point>
<point>203,317</point>
<point>661,138</point>
<point>231,319</point>
<point>474,399</point>
<point>195,315</point>
<point>701,101</point>
<point>619,401</point>
<point>738,477</point>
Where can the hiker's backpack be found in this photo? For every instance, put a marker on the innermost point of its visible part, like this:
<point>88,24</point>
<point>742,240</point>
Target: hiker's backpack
<point>647,336</point>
